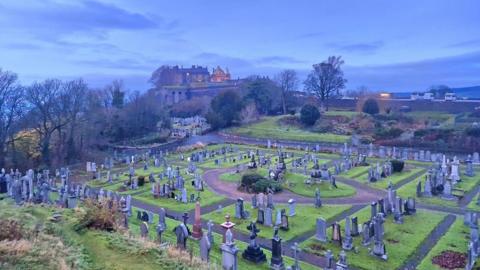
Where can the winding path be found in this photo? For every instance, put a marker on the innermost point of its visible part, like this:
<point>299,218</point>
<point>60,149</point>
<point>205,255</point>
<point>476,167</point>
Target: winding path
<point>364,194</point>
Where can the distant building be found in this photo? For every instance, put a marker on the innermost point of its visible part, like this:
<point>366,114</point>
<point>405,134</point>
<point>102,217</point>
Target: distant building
<point>218,75</point>
<point>175,75</point>
<point>422,96</point>
<point>450,97</point>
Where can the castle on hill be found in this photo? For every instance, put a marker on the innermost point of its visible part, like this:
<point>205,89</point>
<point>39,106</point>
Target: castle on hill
<point>175,75</point>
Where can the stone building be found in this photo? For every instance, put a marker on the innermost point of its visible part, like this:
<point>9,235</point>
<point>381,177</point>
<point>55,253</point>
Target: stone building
<point>175,75</point>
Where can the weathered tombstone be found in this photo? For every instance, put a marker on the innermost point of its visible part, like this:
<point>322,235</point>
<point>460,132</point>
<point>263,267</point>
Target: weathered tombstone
<point>205,247</point>
<point>398,215</point>
<point>161,226</point>
<point>268,217</point>
<point>379,249</point>
<point>291,207</point>
<point>296,250</point>
<point>336,233</point>
<point>210,232</point>
<point>229,252</point>
<point>144,229</point>
<point>347,241</point>
<point>182,232</point>
<point>321,231</point>
<point>318,201</point>
<point>355,231</point>
<point>342,263</point>
<point>254,201</point>
<point>366,239</point>
<point>276,263</point>
<point>330,260</point>
<point>253,252</point>
<point>260,216</point>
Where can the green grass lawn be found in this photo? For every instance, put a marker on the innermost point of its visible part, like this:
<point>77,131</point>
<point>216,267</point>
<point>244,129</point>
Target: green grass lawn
<point>467,184</point>
<point>295,183</point>
<point>270,128</point>
<point>207,197</point>
<point>401,240</point>
<point>355,172</point>
<point>394,178</point>
<point>215,253</point>
<point>348,114</point>
<point>455,239</point>
<point>302,222</point>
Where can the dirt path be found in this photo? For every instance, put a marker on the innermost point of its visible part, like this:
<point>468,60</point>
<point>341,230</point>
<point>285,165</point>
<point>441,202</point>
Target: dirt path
<point>364,194</point>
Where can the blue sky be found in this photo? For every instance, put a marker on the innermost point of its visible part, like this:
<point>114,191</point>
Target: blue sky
<point>386,45</point>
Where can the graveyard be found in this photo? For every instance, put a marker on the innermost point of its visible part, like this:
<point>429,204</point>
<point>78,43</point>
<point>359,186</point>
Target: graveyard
<point>361,207</point>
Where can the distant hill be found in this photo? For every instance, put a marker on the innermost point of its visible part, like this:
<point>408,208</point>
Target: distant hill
<point>471,92</point>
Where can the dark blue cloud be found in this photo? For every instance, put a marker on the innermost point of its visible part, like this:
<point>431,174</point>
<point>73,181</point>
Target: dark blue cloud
<point>363,48</point>
<point>51,19</point>
<point>278,60</point>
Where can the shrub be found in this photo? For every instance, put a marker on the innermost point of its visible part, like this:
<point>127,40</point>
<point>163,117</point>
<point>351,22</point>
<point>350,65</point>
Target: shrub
<point>11,230</point>
<point>391,133</point>
<point>216,120</point>
<point>473,131</point>
<point>141,181</point>
<point>371,106</point>
<point>263,184</point>
<point>309,114</point>
<point>250,179</point>
<point>397,165</point>
<point>99,215</point>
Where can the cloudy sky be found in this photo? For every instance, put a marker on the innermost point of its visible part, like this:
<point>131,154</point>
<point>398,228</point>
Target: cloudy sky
<point>386,45</point>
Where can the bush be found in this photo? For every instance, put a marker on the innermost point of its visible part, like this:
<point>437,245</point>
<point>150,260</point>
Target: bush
<point>473,131</point>
<point>397,165</point>
<point>263,184</point>
<point>11,230</point>
<point>99,215</point>
<point>141,181</point>
<point>391,133</point>
<point>371,106</point>
<point>309,114</point>
<point>250,179</point>
<point>216,120</point>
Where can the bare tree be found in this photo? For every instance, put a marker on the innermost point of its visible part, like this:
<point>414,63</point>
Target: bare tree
<point>75,93</point>
<point>326,79</point>
<point>11,109</point>
<point>46,114</point>
<point>287,80</point>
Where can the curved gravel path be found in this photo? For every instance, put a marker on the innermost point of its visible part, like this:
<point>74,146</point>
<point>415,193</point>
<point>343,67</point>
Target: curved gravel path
<point>364,194</point>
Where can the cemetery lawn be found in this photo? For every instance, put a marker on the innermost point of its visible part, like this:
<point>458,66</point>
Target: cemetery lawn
<point>207,198</point>
<point>455,239</point>
<point>473,204</point>
<point>270,128</point>
<point>394,178</point>
<point>304,221</point>
<point>296,185</point>
<point>355,172</point>
<point>215,252</point>
<point>348,114</point>
<point>401,240</point>
<point>467,184</point>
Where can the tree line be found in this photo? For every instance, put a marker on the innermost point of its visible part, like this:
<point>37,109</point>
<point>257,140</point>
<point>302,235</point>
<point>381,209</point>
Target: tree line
<point>265,96</point>
<point>55,122</point>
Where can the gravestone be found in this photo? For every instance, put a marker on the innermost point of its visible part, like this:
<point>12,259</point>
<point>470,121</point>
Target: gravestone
<point>144,229</point>
<point>260,216</point>
<point>291,207</point>
<point>318,201</point>
<point>229,252</point>
<point>254,253</point>
<point>355,231</point>
<point>321,230</point>
<point>182,232</point>
<point>268,217</point>
<point>205,247</point>
<point>366,239</point>
<point>342,263</point>
<point>276,263</point>
<point>347,241</point>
